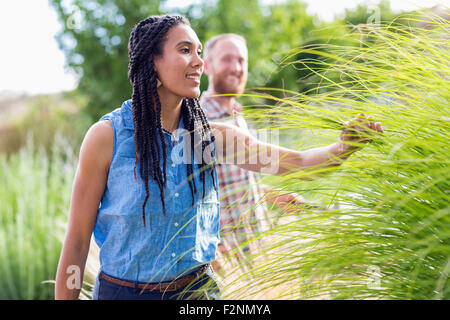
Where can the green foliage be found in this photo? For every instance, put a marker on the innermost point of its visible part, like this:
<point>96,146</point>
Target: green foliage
<point>95,34</point>
<point>50,115</point>
<point>365,14</point>
<point>269,30</point>
<point>94,37</point>
<point>388,236</point>
<point>392,218</point>
<point>35,192</point>
<point>41,118</point>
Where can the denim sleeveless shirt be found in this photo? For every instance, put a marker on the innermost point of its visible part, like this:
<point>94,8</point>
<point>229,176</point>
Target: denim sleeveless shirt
<point>171,244</point>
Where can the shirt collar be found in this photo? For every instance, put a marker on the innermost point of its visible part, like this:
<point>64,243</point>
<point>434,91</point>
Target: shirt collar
<point>127,115</point>
<point>213,109</point>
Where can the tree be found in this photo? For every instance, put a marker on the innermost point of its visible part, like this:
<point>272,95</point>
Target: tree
<point>94,38</point>
<point>366,14</point>
<point>270,31</point>
<point>95,35</point>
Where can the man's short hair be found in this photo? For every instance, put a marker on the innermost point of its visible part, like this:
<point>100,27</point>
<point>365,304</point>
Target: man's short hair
<point>210,44</point>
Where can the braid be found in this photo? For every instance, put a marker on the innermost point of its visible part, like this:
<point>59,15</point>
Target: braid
<point>212,139</point>
<point>159,126</point>
<point>145,41</point>
<point>186,113</point>
<point>199,126</point>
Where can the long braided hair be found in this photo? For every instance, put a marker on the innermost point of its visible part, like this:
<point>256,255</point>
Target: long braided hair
<point>146,40</point>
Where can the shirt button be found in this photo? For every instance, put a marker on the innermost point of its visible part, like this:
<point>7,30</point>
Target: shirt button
<point>173,165</point>
<point>177,194</point>
<point>176,224</point>
<point>173,255</point>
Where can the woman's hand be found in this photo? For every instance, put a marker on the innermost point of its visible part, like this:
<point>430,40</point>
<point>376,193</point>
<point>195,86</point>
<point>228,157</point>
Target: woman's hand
<point>358,131</point>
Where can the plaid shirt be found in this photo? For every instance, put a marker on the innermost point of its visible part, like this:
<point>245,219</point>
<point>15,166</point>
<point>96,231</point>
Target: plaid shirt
<point>242,213</point>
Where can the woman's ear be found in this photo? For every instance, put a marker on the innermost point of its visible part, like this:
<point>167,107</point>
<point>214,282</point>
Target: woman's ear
<point>155,69</point>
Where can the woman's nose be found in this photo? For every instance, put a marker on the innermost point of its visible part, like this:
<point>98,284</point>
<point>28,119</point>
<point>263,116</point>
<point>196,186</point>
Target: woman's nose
<point>198,61</point>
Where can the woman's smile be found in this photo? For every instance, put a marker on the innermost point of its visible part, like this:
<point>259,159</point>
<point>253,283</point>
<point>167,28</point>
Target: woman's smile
<point>195,77</point>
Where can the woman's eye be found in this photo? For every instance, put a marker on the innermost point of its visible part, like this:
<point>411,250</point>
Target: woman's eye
<point>185,50</point>
<point>199,52</point>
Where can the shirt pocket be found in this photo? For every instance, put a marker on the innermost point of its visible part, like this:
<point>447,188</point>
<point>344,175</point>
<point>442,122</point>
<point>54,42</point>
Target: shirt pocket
<point>128,184</point>
<point>127,149</point>
<point>127,192</point>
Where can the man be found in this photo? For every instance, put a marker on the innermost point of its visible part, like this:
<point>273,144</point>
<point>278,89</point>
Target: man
<point>242,209</point>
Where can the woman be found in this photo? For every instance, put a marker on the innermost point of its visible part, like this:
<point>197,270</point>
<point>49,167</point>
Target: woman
<point>155,218</point>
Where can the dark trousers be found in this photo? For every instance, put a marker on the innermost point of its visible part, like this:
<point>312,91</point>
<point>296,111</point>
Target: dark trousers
<point>203,288</point>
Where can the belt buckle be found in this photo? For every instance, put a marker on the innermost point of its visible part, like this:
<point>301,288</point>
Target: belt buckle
<point>202,270</point>
<point>169,286</point>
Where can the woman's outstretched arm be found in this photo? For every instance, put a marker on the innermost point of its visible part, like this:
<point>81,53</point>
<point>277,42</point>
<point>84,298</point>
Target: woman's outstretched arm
<point>235,146</point>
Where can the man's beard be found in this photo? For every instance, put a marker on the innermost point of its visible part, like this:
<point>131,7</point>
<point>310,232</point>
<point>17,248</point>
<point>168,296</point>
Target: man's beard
<point>221,86</point>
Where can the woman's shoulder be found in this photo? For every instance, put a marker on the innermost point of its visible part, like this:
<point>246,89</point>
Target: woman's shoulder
<point>101,132</point>
<point>98,143</point>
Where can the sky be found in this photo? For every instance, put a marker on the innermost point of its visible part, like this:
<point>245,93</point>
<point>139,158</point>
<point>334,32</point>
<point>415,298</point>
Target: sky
<point>32,63</point>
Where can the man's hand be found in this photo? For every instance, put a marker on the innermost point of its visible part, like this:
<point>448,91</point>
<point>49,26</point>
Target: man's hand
<point>289,199</point>
<point>285,201</point>
<point>289,202</point>
<point>358,131</point>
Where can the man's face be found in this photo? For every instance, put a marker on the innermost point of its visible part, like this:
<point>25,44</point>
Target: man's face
<point>227,66</point>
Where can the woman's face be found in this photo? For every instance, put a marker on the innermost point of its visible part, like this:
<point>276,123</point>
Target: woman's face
<point>180,66</point>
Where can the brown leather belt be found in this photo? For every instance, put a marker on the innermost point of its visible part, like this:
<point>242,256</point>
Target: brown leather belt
<point>163,286</point>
